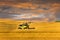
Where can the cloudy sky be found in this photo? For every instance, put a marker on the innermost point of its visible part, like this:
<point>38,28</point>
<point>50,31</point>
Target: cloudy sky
<point>30,9</point>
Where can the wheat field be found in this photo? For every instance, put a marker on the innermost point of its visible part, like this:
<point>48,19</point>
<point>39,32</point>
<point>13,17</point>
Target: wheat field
<point>43,30</point>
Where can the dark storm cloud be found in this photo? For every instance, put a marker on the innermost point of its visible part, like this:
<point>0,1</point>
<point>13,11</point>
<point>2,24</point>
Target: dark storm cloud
<point>34,1</point>
<point>6,11</point>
